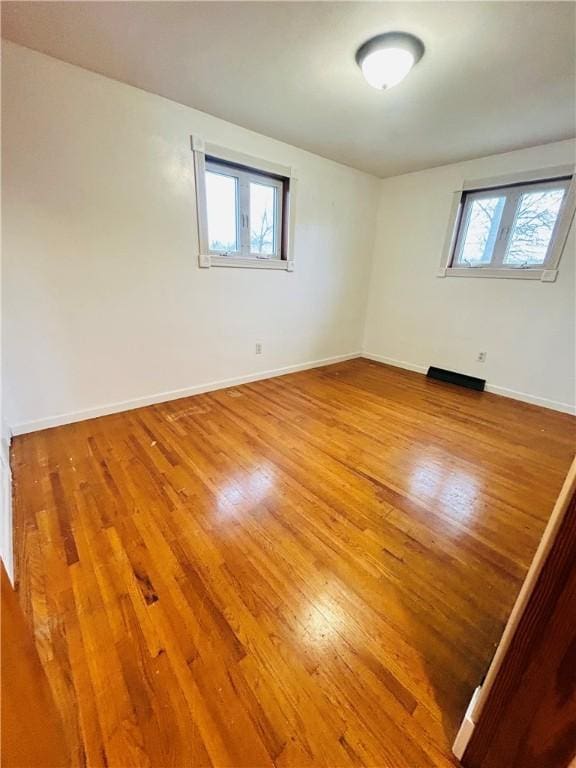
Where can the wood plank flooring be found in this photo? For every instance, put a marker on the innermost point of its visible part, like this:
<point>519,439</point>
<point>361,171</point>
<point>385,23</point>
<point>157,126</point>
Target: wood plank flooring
<point>312,570</point>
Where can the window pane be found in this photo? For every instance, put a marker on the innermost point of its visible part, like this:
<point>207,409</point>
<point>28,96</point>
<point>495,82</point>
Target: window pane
<point>221,197</point>
<point>535,218</point>
<point>262,218</point>
<point>481,230</point>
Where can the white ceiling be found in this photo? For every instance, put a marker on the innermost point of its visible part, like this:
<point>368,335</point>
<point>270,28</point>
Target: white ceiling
<point>495,76</point>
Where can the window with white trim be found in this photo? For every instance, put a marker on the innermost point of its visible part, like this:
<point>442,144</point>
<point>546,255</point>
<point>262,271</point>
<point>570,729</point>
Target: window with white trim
<point>244,209</point>
<point>510,230</point>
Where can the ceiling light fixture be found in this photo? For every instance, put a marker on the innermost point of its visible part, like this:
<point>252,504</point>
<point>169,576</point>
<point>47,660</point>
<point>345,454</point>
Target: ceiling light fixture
<point>385,60</point>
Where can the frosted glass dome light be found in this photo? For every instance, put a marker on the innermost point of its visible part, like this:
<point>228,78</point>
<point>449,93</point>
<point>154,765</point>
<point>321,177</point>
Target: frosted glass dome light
<point>385,60</point>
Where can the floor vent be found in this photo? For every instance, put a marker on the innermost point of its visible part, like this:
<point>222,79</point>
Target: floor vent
<point>470,382</point>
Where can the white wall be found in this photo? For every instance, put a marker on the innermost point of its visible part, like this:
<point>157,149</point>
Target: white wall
<point>6,545</point>
<point>104,301</point>
<point>527,328</point>
<point>105,305</point>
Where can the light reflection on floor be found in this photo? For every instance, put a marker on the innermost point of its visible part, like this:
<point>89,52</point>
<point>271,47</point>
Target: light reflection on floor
<point>455,488</point>
<point>250,488</point>
<point>322,622</point>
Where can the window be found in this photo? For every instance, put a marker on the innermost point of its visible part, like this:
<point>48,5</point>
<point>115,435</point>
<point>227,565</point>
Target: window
<point>243,210</point>
<point>511,230</point>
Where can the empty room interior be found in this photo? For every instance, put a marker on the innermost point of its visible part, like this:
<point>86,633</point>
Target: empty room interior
<point>288,384</point>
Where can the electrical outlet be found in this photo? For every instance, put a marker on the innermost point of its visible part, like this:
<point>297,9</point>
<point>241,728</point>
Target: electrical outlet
<point>481,357</point>
<point>258,348</point>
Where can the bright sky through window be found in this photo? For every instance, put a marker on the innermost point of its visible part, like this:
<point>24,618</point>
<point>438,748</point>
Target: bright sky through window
<point>221,198</point>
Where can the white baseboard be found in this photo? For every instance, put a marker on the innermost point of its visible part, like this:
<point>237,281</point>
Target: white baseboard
<point>395,363</point>
<point>163,397</point>
<point>466,727</point>
<point>555,405</point>
<point>524,397</point>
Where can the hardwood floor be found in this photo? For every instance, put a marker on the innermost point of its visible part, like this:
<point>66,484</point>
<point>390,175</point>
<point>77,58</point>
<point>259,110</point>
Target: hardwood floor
<point>308,570</point>
<point>30,727</point>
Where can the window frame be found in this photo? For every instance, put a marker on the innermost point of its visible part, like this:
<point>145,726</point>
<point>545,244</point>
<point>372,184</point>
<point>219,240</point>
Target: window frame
<point>514,186</point>
<point>247,170</point>
<point>244,178</point>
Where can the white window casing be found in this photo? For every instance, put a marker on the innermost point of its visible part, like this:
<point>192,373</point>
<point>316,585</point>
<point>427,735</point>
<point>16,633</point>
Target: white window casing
<point>512,187</point>
<point>246,170</point>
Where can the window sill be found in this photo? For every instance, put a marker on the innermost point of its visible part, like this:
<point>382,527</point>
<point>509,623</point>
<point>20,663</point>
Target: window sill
<point>237,262</point>
<point>544,275</point>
